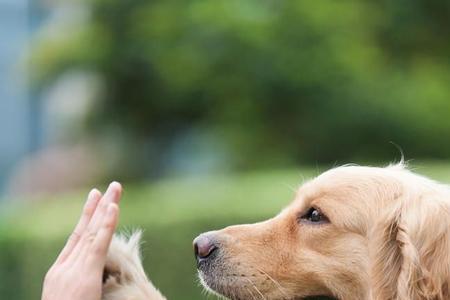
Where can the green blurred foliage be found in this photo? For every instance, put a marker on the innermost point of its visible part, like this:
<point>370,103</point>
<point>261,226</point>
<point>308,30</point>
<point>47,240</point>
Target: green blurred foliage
<point>278,82</point>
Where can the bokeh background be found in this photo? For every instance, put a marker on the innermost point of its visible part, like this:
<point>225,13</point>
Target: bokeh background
<point>209,112</point>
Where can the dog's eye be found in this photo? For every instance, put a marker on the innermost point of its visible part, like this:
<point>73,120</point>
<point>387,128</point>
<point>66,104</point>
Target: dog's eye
<point>314,215</point>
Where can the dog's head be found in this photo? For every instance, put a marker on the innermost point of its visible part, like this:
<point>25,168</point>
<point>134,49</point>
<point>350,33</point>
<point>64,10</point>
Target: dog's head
<point>351,233</point>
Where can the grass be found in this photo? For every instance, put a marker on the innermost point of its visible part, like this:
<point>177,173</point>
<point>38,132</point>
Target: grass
<point>172,212</point>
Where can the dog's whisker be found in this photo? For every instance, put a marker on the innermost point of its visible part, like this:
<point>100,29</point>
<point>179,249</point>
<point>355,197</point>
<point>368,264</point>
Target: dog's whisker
<point>279,286</point>
<point>250,292</point>
<point>290,187</point>
<point>256,288</point>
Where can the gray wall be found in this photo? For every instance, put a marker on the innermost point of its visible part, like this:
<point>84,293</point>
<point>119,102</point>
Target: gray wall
<point>19,112</point>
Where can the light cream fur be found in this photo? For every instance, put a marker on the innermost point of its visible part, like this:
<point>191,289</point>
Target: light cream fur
<point>388,239</point>
<point>124,277</point>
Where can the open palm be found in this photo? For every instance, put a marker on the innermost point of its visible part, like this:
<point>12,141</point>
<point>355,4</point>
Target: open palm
<point>78,270</point>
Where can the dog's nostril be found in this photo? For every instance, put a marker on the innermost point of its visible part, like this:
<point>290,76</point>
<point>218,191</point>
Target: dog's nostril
<point>203,247</point>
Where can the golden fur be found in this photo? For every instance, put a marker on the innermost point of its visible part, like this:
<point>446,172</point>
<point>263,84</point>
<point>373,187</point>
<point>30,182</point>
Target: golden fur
<point>388,237</point>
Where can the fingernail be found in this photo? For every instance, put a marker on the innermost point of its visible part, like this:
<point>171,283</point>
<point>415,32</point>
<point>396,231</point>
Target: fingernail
<point>90,197</point>
<point>114,183</point>
<point>115,188</point>
<point>93,192</point>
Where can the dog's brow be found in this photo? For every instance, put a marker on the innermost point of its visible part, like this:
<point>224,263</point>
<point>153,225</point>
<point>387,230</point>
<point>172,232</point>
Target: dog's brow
<point>311,198</point>
<point>305,204</point>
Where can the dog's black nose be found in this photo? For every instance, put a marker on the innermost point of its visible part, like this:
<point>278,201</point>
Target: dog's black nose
<point>203,247</point>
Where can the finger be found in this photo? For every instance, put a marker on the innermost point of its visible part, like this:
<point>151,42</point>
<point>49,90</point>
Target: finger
<point>100,245</point>
<point>88,210</point>
<point>112,195</point>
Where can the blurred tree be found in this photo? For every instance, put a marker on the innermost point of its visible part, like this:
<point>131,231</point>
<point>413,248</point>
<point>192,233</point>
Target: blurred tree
<point>278,82</point>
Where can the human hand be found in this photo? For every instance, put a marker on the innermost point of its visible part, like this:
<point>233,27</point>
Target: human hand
<point>78,270</point>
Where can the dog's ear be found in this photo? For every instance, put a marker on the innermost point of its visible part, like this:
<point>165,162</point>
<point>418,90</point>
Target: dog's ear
<point>385,255</point>
<point>405,245</point>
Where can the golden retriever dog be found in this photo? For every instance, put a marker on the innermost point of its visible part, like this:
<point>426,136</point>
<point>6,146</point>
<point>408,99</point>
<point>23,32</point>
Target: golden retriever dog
<point>352,233</point>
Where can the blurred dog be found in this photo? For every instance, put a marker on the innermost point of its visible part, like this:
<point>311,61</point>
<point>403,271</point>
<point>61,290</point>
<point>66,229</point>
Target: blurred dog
<point>352,233</point>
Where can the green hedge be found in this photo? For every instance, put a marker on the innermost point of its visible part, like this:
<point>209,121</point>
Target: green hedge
<point>172,212</point>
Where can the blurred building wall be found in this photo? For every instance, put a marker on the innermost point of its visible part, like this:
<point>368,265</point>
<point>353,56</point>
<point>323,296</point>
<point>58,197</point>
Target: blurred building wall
<point>19,111</point>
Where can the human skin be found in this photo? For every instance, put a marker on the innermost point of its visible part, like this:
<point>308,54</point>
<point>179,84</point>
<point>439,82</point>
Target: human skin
<point>78,270</point>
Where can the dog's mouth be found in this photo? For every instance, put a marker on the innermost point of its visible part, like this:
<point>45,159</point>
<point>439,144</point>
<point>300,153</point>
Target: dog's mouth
<point>218,276</point>
<point>243,288</point>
